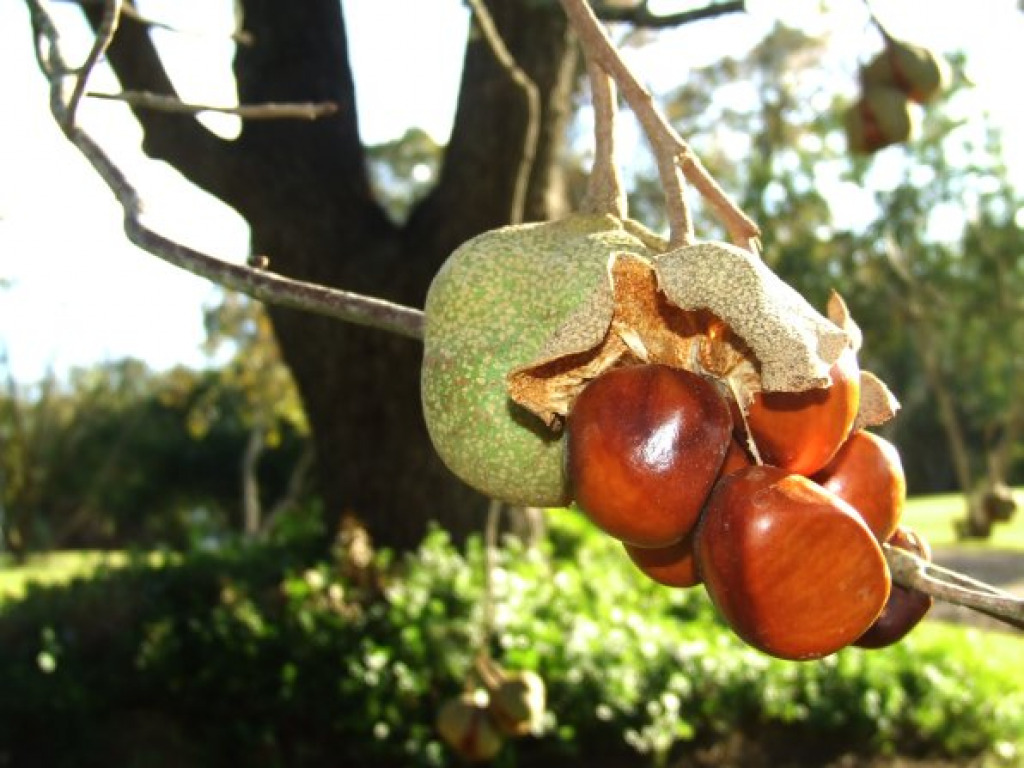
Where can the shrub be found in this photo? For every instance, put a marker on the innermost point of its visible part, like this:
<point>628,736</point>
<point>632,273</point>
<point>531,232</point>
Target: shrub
<point>269,657</point>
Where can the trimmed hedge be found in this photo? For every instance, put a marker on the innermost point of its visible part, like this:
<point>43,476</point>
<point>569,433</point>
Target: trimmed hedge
<point>269,657</point>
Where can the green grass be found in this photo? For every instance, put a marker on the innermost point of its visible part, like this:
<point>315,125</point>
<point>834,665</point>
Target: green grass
<point>934,517</point>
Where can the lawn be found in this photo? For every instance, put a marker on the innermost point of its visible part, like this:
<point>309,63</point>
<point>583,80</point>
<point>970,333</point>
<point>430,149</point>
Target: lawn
<point>934,517</point>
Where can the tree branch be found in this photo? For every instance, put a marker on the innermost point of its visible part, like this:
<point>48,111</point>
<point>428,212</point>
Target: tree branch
<point>912,572</point>
<point>605,193</point>
<point>641,15</point>
<point>671,152</point>
<point>104,35</point>
<point>354,308</point>
<point>184,143</point>
<point>270,111</point>
<point>532,94</point>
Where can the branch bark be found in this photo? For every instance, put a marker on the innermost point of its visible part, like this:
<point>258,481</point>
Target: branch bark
<point>180,140</point>
<point>642,16</point>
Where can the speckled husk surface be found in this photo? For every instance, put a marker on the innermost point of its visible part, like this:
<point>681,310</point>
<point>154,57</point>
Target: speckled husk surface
<point>490,308</point>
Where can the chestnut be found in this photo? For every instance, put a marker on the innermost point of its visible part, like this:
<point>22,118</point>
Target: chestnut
<point>905,608</point>
<point>801,431</point>
<point>644,446</point>
<point>791,567</point>
<point>868,474</point>
<point>672,566</point>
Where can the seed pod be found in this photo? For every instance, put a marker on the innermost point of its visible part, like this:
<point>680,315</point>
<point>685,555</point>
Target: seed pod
<point>491,307</point>
<point>880,118</point>
<point>466,726</point>
<point>913,69</point>
<point>517,704</point>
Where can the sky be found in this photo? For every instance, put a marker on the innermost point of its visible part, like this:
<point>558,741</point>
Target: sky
<point>81,294</point>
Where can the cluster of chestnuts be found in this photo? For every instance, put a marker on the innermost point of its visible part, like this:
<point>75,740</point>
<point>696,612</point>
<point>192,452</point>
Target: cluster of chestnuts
<point>505,704</point>
<point>788,550</point>
<point>900,74</point>
<point>693,405</point>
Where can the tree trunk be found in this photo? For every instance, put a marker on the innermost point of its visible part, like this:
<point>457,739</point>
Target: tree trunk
<point>976,523</point>
<point>251,508</point>
<point>303,188</point>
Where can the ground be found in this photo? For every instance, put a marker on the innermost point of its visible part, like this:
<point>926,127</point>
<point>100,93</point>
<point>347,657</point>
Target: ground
<point>999,567</point>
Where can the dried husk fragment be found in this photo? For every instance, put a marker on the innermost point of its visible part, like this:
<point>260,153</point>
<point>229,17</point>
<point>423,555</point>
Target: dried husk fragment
<point>466,725</point>
<point>877,403</point>
<point>794,345</point>
<point>839,313</point>
<point>712,308</point>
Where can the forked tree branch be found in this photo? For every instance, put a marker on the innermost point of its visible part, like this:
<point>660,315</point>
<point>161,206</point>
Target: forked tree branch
<point>260,284</point>
<point>672,154</point>
<point>907,569</point>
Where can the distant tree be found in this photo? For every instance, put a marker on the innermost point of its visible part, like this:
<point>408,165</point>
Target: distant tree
<point>270,403</point>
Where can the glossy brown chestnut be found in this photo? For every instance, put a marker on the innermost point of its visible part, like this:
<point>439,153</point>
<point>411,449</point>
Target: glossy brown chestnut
<point>867,474</point>
<point>673,566</point>
<point>790,566</point>
<point>905,607</point>
<point>644,446</point>
<point>736,458</point>
<point>801,431</point>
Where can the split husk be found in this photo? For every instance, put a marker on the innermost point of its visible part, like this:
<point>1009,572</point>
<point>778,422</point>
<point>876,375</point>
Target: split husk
<point>491,308</point>
<point>711,308</point>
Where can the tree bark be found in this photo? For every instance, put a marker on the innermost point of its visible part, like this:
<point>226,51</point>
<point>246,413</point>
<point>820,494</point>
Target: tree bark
<point>303,188</point>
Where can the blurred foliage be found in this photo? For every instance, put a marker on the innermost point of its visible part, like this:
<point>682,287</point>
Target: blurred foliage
<point>270,656</point>
<point>254,368</point>
<point>108,458</point>
<point>404,170</point>
<point>768,125</point>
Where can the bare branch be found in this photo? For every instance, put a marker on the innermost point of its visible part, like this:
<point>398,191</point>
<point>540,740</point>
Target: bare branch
<point>604,186</point>
<point>530,90</point>
<point>941,583</point>
<point>260,284</point>
<point>104,36</point>
<point>671,152</point>
<point>268,111</point>
<point>641,15</point>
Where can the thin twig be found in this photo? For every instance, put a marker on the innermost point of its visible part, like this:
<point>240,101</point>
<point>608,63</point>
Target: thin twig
<point>605,193</point>
<point>912,572</point>
<point>490,555</point>
<point>267,111</point>
<point>641,15</point>
<point>671,152</point>
<point>532,94</point>
<point>104,36</point>
<point>258,283</point>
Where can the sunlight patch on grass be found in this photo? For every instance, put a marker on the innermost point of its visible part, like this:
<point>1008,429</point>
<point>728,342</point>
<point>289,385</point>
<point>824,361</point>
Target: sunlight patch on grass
<point>60,568</point>
<point>934,518</point>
